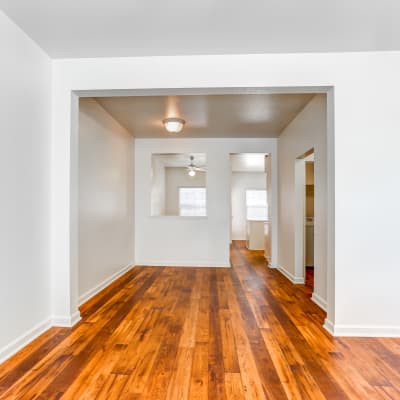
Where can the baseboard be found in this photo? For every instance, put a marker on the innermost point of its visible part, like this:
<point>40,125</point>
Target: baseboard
<point>102,285</point>
<point>27,337</point>
<point>362,330</point>
<point>296,280</point>
<point>66,321</point>
<point>183,264</point>
<point>56,320</point>
<point>268,260</point>
<point>329,327</point>
<point>319,301</point>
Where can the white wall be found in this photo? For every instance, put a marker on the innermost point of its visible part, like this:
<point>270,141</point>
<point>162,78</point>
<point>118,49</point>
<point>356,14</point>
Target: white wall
<point>242,181</point>
<point>158,186</point>
<point>105,198</point>
<point>308,130</point>
<point>175,178</point>
<point>25,118</point>
<point>186,241</point>
<point>363,296</point>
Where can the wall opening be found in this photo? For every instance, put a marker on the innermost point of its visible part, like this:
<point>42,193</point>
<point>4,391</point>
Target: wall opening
<point>250,210</point>
<point>71,300</point>
<point>304,218</point>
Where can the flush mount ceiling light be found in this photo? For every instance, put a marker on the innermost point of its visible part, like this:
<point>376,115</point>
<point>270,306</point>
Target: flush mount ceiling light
<point>173,125</point>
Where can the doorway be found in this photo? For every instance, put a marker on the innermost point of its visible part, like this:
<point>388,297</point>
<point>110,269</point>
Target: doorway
<point>304,233</point>
<point>249,202</point>
<point>309,223</point>
<point>65,213</point>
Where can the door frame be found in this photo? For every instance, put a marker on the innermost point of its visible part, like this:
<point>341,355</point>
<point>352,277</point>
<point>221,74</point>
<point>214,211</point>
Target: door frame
<point>64,248</point>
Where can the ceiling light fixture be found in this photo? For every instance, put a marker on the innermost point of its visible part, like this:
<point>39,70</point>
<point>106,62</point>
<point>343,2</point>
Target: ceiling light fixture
<point>173,125</point>
<point>192,168</point>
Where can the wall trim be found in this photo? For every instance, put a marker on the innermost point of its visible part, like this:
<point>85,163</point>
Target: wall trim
<point>362,330</point>
<point>296,280</point>
<point>329,326</point>
<point>102,285</point>
<point>319,301</point>
<point>183,264</point>
<point>268,260</point>
<point>56,320</point>
<point>24,339</point>
<point>66,321</point>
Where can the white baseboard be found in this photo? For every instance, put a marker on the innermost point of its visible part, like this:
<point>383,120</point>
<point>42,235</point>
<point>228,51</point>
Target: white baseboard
<point>56,320</point>
<point>362,330</point>
<point>200,264</point>
<point>66,321</point>
<point>319,301</point>
<point>268,260</point>
<point>297,280</point>
<point>24,339</point>
<point>102,285</point>
<point>328,326</point>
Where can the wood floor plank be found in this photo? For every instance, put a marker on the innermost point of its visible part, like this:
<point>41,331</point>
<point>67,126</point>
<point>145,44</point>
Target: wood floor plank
<point>179,384</point>
<point>231,363</point>
<point>252,384</point>
<point>203,320</point>
<point>199,377</point>
<point>174,333</point>
<point>233,386</point>
<point>216,383</point>
<point>112,387</point>
<point>281,365</point>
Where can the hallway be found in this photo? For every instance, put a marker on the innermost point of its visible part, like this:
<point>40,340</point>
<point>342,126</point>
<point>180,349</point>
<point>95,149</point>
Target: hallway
<point>202,333</point>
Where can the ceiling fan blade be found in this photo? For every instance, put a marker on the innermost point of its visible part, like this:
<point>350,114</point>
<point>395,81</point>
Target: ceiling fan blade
<point>201,169</point>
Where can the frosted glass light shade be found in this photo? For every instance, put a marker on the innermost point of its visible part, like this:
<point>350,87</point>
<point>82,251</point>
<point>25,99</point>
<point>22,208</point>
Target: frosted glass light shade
<point>174,125</point>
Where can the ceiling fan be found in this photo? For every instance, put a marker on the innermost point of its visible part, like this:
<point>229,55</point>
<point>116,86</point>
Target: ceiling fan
<point>192,168</point>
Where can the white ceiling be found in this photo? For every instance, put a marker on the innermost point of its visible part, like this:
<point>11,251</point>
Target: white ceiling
<point>104,28</point>
<point>236,115</point>
<point>248,162</point>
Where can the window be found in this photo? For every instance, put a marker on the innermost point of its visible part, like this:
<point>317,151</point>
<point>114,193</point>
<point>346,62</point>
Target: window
<point>192,201</point>
<point>256,204</point>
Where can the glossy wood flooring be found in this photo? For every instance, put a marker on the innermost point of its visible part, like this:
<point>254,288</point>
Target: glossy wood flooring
<point>203,333</point>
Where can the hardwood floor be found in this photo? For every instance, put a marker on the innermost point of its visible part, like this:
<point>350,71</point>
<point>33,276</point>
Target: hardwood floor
<point>309,280</point>
<point>202,333</point>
